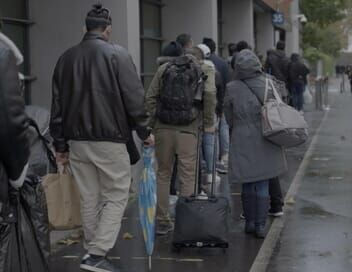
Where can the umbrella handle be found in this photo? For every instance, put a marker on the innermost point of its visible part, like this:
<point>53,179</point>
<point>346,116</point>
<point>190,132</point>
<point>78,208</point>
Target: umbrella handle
<point>150,263</point>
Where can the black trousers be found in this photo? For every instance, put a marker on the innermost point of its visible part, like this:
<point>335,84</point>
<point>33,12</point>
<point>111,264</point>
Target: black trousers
<point>276,200</point>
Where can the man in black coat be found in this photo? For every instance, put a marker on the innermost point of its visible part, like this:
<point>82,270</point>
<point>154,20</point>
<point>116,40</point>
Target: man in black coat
<point>98,99</point>
<point>297,79</point>
<point>277,62</point>
<point>14,144</point>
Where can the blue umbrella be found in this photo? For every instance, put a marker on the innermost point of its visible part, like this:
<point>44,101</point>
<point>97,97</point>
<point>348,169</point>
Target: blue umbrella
<point>147,201</point>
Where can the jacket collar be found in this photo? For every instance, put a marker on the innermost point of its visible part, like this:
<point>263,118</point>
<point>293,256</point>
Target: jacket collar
<point>93,35</point>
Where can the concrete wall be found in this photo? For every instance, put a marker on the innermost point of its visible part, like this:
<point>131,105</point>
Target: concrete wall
<point>196,17</point>
<point>265,33</point>
<point>59,25</point>
<point>238,21</point>
<point>293,36</point>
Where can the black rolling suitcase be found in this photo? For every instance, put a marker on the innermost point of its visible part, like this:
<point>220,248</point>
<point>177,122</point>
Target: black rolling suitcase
<point>202,220</point>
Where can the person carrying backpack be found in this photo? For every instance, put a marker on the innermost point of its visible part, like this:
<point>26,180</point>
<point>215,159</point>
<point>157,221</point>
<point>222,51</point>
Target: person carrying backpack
<point>180,100</point>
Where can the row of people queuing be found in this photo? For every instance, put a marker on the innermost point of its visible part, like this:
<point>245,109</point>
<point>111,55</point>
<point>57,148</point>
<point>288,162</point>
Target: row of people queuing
<point>98,100</point>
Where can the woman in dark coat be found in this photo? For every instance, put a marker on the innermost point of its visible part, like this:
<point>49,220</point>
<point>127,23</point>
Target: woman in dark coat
<point>253,160</point>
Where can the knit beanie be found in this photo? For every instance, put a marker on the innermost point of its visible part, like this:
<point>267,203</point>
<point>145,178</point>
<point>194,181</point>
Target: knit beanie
<point>98,17</point>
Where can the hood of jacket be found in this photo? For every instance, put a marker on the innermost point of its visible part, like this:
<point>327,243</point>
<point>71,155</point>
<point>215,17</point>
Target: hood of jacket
<point>11,45</point>
<point>247,65</point>
<point>164,59</point>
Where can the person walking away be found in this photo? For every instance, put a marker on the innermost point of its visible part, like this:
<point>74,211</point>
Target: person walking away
<point>185,40</point>
<point>254,160</point>
<point>97,99</point>
<point>177,110</point>
<point>277,65</point>
<point>202,53</point>
<point>222,67</point>
<point>349,75</point>
<point>14,141</point>
<point>239,47</point>
<point>297,77</point>
<point>169,53</point>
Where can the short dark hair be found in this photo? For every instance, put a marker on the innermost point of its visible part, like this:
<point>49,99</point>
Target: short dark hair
<point>172,49</point>
<point>98,18</point>
<point>280,45</point>
<point>210,43</point>
<point>231,48</point>
<point>184,39</point>
<point>242,45</point>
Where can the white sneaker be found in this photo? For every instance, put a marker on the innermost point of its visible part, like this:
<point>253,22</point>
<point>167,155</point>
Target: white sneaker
<point>210,179</point>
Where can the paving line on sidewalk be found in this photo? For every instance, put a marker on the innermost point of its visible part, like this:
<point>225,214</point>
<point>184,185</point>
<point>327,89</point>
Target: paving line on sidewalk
<point>266,251</point>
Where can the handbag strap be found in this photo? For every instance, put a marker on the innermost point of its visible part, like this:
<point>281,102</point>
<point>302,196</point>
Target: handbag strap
<point>260,102</point>
<point>268,84</point>
<point>275,92</point>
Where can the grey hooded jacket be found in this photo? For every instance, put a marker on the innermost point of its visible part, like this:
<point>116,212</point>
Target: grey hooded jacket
<point>252,157</point>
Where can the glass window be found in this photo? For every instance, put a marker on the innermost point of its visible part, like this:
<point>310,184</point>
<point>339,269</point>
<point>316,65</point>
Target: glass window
<point>151,41</point>
<point>151,53</point>
<point>151,20</point>
<point>13,9</point>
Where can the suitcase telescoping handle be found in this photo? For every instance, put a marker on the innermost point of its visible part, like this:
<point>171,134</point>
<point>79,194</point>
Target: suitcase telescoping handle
<point>215,156</point>
<point>198,168</point>
<point>198,164</point>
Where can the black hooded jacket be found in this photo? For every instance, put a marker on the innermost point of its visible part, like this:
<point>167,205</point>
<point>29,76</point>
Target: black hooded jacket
<point>277,65</point>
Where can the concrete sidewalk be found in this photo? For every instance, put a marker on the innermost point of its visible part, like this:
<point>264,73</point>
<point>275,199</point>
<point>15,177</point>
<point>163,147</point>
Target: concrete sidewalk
<point>130,254</point>
<point>318,229</point>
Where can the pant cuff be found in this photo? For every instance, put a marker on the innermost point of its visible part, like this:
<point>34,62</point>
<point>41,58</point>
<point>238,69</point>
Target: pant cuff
<point>97,251</point>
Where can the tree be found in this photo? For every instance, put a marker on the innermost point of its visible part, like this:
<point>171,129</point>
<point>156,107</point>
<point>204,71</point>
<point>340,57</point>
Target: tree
<point>327,29</point>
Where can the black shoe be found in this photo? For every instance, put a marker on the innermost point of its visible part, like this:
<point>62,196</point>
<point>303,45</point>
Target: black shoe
<point>276,212</point>
<point>249,209</point>
<point>221,168</point>
<point>260,232</point>
<point>98,265</point>
<point>250,227</point>
<point>261,216</point>
<point>164,229</point>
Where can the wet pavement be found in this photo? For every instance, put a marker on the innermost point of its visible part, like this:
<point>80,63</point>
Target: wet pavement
<point>130,256</point>
<point>318,229</point>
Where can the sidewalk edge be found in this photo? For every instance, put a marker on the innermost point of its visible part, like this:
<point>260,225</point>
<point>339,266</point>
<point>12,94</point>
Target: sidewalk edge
<point>266,251</point>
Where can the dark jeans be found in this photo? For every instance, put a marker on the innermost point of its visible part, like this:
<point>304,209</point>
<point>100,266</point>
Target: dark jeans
<point>276,201</point>
<point>297,90</point>
<point>259,188</point>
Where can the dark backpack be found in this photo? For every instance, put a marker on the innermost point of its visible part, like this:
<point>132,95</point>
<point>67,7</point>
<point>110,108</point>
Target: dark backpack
<point>181,92</point>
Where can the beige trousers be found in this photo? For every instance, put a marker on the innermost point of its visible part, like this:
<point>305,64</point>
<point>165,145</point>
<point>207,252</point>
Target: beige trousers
<point>168,144</point>
<point>103,174</point>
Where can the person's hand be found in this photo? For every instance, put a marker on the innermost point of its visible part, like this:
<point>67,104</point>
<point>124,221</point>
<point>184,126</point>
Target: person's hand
<point>209,129</point>
<point>62,158</point>
<point>150,141</point>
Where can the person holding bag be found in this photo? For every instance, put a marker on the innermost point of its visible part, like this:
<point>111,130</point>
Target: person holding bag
<point>98,99</point>
<point>253,159</point>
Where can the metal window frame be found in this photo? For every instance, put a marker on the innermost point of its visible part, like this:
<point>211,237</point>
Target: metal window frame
<point>26,24</point>
<point>143,37</point>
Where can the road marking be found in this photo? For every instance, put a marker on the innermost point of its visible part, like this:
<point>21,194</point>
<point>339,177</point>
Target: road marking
<point>265,253</point>
<point>235,194</point>
<point>70,257</point>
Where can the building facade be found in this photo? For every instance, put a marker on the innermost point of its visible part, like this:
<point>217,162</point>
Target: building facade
<point>44,29</point>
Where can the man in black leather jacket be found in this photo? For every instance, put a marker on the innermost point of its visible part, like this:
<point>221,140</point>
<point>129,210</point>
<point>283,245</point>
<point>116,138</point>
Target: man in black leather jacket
<point>98,99</point>
<point>14,145</point>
